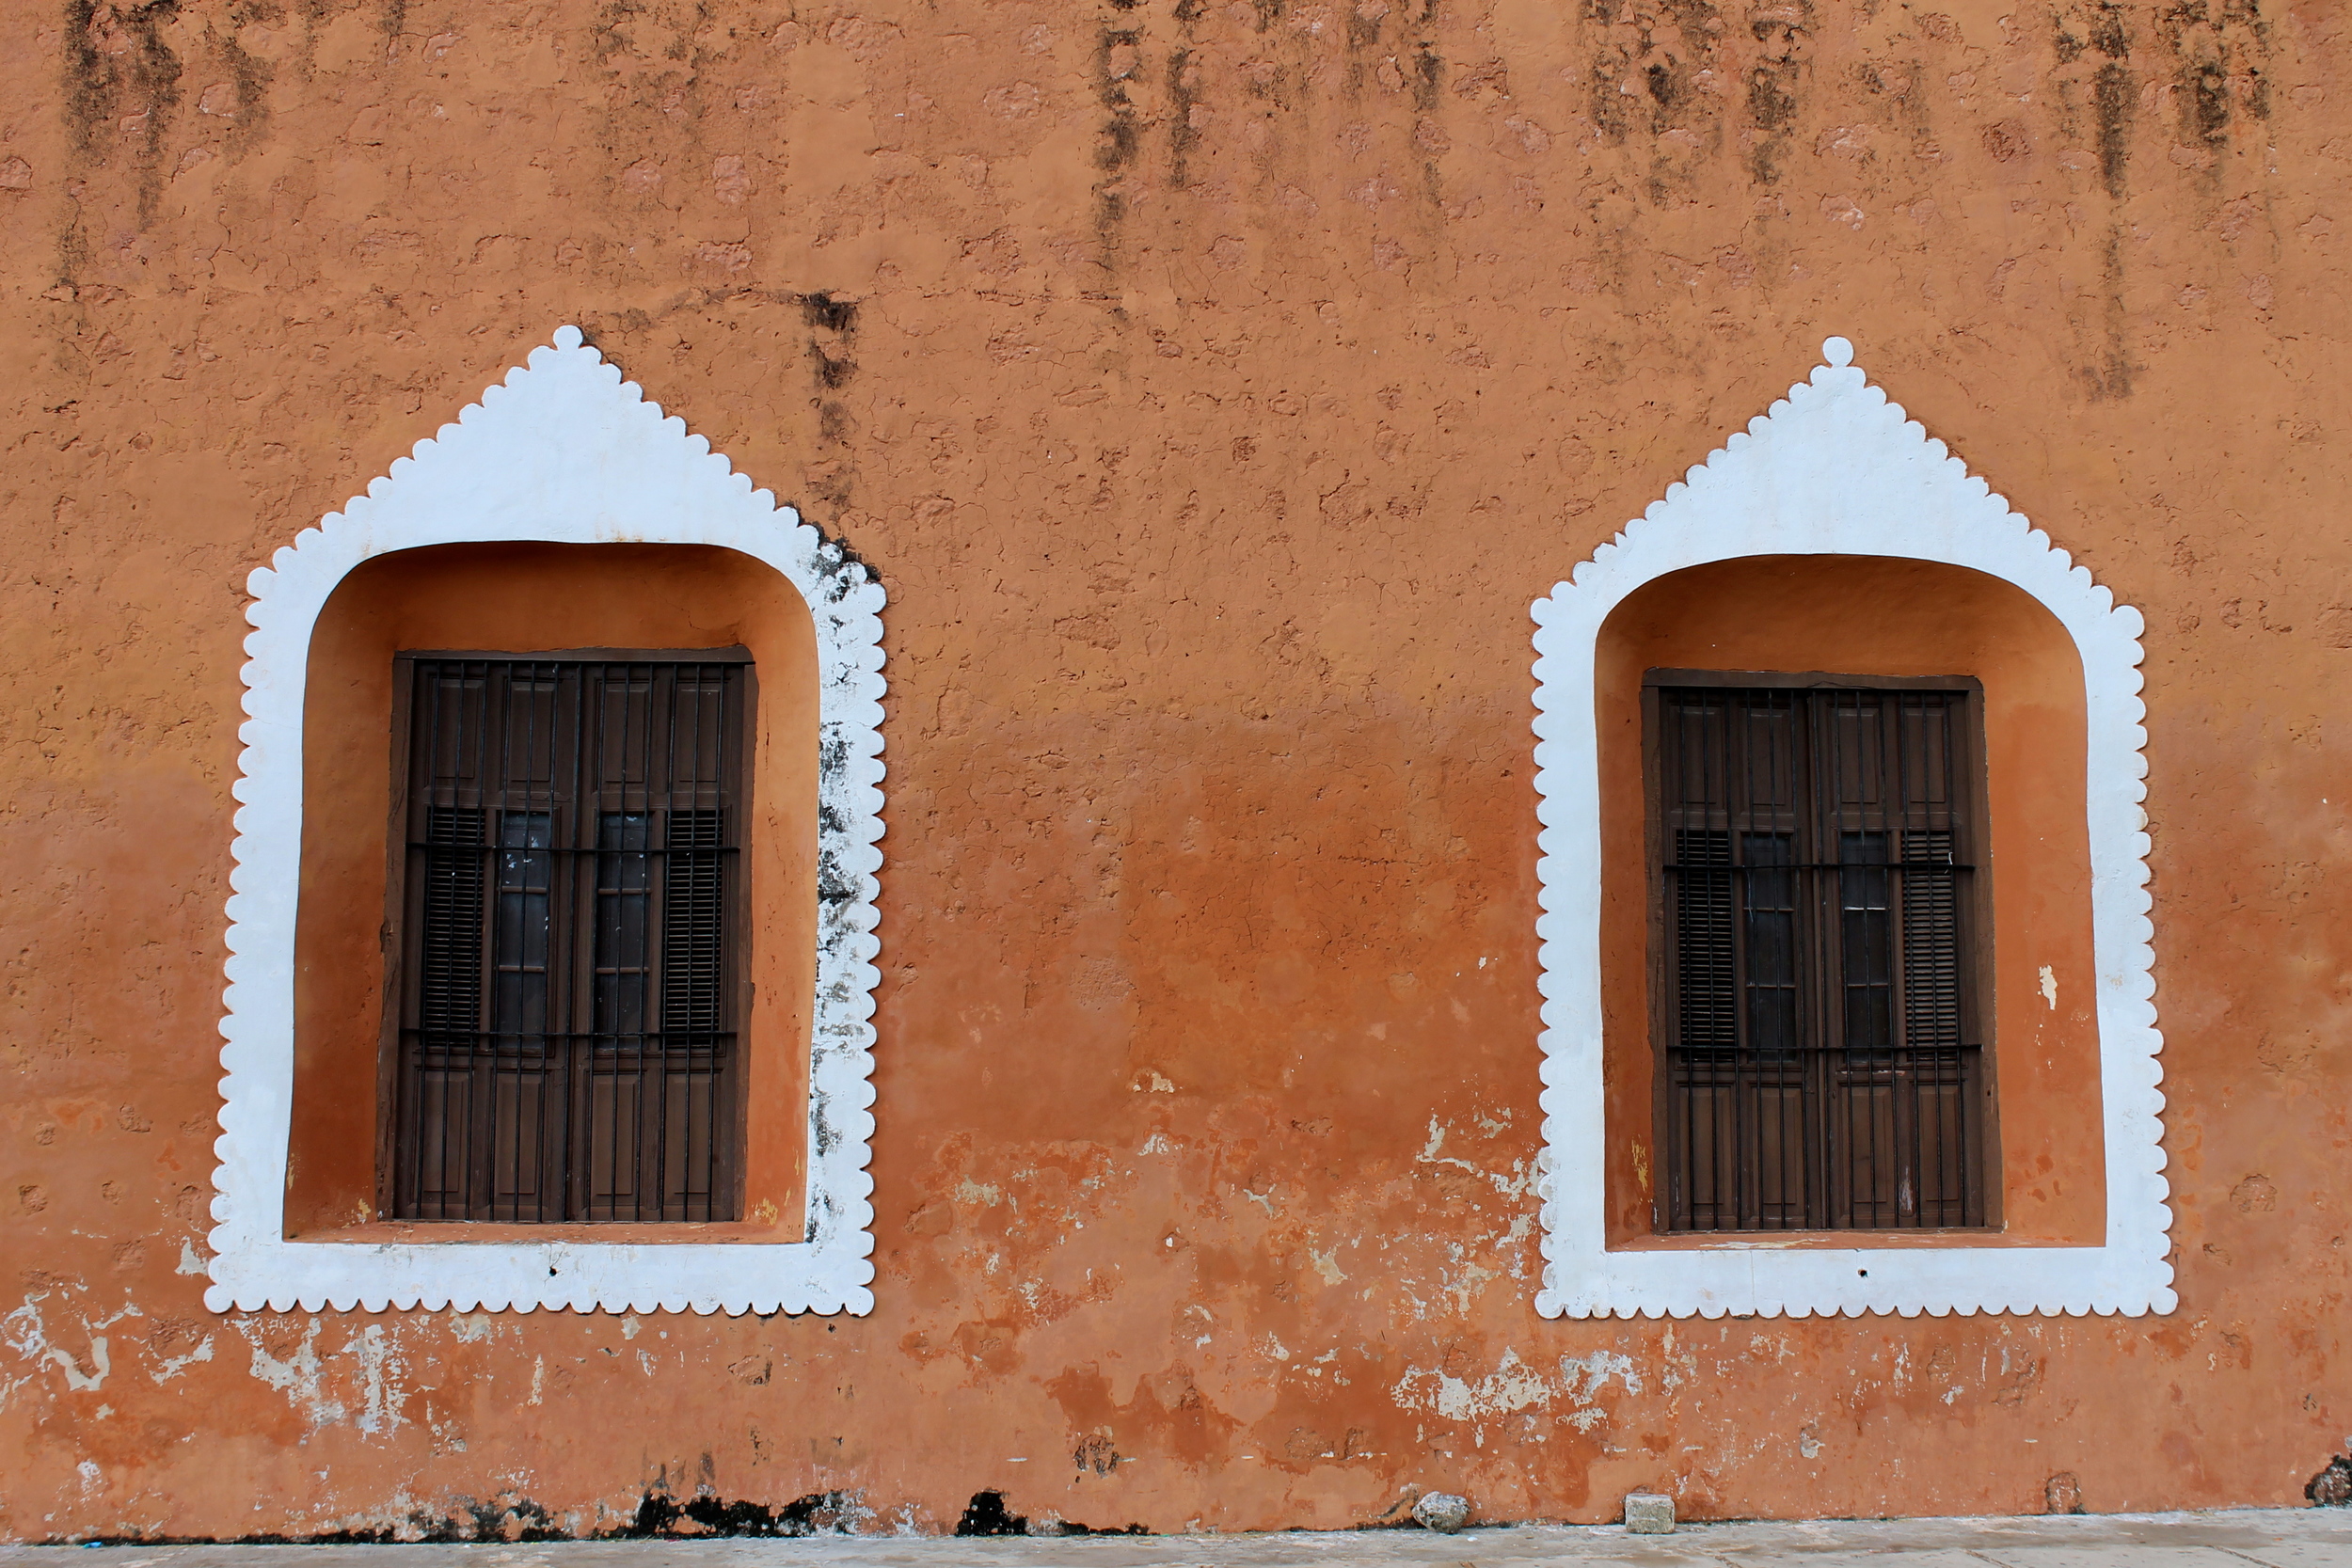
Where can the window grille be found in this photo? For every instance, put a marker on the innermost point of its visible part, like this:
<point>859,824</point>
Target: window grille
<point>1823,1064</point>
<point>570,952</point>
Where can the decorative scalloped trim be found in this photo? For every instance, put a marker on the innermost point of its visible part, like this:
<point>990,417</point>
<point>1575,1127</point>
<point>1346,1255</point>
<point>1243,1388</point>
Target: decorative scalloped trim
<point>1836,469</point>
<point>563,450</point>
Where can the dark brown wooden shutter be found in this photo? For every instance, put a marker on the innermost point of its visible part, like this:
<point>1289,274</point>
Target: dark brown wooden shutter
<point>1821,1065</point>
<point>570,967</point>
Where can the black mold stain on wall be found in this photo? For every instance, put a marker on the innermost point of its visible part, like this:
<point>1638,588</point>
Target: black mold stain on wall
<point>661,1516</point>
<point>985,1515</point>
<point>1120,136</point>
<point>2109,377</point>
<point>1184,91</point>
<point>248,76</point>
<point>1781,34</point>
<point>121,84</point>
<point>2103,85</point>
<point>2219,53</point>
<point>831,323</point>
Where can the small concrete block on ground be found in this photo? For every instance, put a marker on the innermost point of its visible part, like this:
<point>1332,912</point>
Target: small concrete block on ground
<point>1648,1513</point>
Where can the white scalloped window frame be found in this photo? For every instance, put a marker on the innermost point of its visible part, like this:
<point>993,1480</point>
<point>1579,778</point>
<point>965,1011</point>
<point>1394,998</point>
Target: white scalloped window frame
<point>562,451</point>
<point>1836,468</point>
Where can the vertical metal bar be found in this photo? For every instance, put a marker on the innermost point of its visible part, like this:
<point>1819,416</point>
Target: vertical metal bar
<point>1733,1105</point>
<point>577,700</point>
<point>411,1136</point>
<point>702,1125</point>
<point>535,1053</point>
<point>510,1056</point>
<point>478,1098</point>
<point>1813,1101</point>
<point>1911,711</point>
<point>697,1191</point>
<point>648,1099</point>
<point>410,1139</point>
<point>483,1174</point>
<point>562,878</point>
<point>665,710</point>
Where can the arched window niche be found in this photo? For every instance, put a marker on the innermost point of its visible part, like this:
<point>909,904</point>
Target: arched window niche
<point>1835,543</point>
<point>535,598</point>
<point>564,519</point>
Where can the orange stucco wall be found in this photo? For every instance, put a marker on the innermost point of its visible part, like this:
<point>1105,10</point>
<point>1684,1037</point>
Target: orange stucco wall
<point>1213,386</point>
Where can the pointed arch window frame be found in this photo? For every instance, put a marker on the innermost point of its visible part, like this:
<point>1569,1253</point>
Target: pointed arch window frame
<point>560,450</point>
<point>1837,469</point>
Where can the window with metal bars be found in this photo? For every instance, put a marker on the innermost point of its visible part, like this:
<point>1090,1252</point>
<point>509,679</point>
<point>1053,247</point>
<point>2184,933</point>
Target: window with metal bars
<point>1822,1061</point>
<point>570,951</point>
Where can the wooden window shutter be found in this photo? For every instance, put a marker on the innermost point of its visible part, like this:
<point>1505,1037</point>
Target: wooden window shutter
<point>571,957</point>
<point>1822,1064</point>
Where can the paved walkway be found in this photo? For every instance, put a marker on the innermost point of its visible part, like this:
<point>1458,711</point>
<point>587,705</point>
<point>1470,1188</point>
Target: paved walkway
<point>2302,1538</point>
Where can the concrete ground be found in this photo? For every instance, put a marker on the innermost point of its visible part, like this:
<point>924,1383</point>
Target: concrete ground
<point>2302,1538</point>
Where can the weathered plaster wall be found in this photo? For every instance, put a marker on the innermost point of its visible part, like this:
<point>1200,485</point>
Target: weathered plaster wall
<point>1214,385</point>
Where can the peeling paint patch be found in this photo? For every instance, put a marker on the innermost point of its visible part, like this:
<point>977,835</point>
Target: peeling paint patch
<point>25,1332</point>
<point>294,1369</point>
<point>168,1367</point>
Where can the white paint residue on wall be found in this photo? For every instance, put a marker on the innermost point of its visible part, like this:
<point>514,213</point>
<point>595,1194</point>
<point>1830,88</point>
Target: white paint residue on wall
<point>75,1377</point>
<point>295,1374</point>
<point>1430,1154</point>
<point>1514,1385</point>
<point>25,1332</point>
<point>1585,1377</point>
<point>1583,1380</point>
<point>1509,1183</point>
<point>2049,988</point>
<point>380,1366</point>
<point>168,1367</point>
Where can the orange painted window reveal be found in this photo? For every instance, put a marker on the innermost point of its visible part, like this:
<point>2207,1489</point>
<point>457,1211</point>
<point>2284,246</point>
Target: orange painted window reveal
<point>1883,616</point>
<point>532,598</point>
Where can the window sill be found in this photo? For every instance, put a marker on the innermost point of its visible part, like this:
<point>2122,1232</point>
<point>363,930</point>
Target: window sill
<point>1830,1241</point>
<point>505,1233</point>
